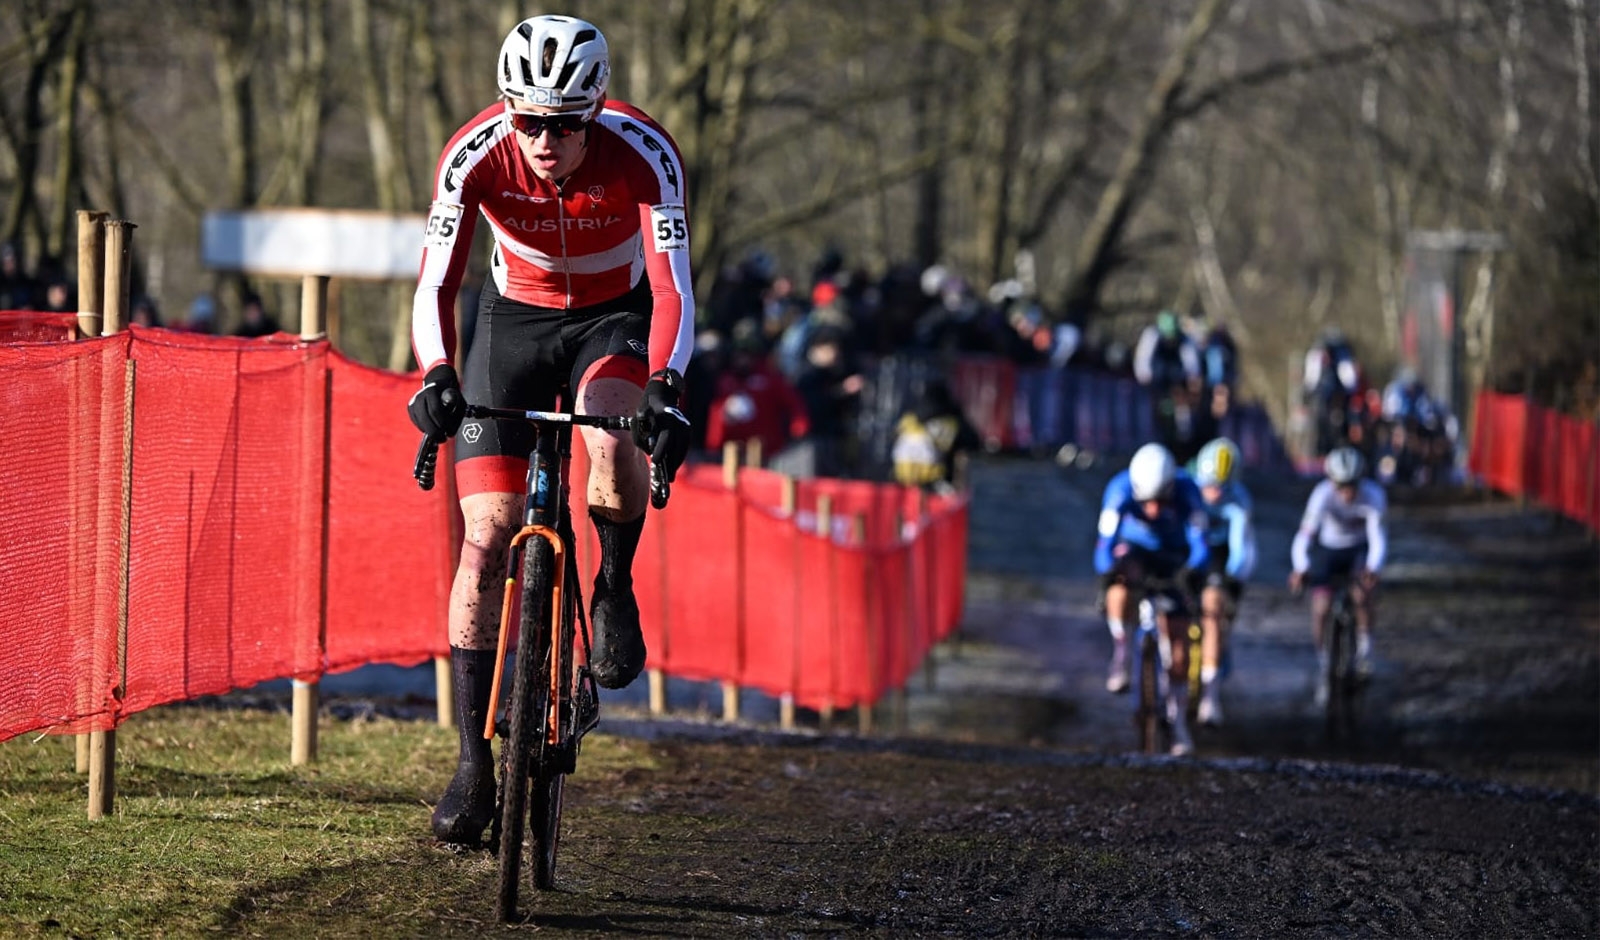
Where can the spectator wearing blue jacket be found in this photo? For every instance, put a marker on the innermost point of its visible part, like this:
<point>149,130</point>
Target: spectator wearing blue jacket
<point>1153,527</point>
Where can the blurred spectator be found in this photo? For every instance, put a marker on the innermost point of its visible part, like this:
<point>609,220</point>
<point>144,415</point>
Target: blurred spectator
<point>254,320</point>
<point>18,289</point>
<point>202,315</point>
<point>700,377</point>
<point>829,386</point>
<point>753,401</point>
<point>59,296</point>
<point>738,291</point>
<point>144,312</point>
<point>930,437</point>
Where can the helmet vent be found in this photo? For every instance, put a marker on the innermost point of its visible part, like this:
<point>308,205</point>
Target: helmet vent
<point>525,30</point>
<point>591,78</point>
<point>585,35</point>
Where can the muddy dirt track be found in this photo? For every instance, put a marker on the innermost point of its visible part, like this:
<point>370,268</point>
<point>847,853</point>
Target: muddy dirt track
<point>1464,805</point>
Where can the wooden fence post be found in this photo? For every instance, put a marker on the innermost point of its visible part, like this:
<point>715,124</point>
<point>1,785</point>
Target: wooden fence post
<point>103,744</point>
<point>858,536</point>
<point>790,499</point>
<point>304,704</point>
<point>91,283</point>
<point>730,479</point>
<point>825,529</point>
<point>908,597</point>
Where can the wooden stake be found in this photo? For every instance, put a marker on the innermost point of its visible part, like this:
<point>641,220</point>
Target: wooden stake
<point>303,745</point>
<point>444,689</point>
<point>303,706</point>
<point>91,280</point>
<point>730,479</point>
<point>103,744</point>
<point>789,497</point>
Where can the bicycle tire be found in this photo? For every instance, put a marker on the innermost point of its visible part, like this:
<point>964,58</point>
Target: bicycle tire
<point>1149,717</point>
<point>524,720</point>
<point>549,778</point>
<point>1341,643</point>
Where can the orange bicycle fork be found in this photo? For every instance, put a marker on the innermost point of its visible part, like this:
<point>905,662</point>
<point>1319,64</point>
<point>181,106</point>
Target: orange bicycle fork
<point>552,733</point>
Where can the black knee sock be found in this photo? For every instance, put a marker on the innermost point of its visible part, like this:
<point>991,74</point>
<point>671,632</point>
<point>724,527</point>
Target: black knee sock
<point>473,674</point>
<point>618,543</point>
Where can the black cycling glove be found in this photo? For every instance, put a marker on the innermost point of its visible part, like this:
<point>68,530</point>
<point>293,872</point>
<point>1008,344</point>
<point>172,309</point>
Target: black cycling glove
<point>438,407</point>
<point>660,428</point>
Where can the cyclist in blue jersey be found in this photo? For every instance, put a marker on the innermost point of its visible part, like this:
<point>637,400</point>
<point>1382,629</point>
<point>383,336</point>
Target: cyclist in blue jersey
<point>1152,526</point>
<point>1231,539</point>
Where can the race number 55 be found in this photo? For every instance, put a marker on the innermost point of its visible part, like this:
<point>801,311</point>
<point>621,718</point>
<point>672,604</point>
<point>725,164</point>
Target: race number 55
<point>669,227</point>
<point>443,219</point>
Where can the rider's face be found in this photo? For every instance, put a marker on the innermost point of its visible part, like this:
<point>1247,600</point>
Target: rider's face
<point>1347,491</point>
<point>1151,507</point>
<point>554,152</point>
<point>1211,493</point>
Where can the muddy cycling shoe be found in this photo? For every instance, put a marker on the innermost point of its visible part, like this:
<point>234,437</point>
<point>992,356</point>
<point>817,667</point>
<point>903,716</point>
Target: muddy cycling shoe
<point>1210,712</point>
<point>1117,675</point>
<point>619,651</point>
<point>467,806</point>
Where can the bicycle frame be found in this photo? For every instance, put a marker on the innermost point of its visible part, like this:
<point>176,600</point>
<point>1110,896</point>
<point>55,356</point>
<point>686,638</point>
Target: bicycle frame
<point>541,518</point>
<point>531,768</point>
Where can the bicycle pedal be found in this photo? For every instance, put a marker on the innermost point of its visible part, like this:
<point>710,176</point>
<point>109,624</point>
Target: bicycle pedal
<point>588,708</point>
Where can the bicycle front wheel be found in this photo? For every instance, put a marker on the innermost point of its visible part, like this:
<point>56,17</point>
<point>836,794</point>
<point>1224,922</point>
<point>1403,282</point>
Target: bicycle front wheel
<point>525,718</point>
<point>555,760</point>
<point>1149,717</point>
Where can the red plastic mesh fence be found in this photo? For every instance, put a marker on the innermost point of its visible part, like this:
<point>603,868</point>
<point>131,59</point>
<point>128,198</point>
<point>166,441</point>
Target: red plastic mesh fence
<point>61,507</point>
<point>390,545</point>
<point>1523,449</point>
<point>35,326</point>
<point>226,515</point>
<point>273,530</point>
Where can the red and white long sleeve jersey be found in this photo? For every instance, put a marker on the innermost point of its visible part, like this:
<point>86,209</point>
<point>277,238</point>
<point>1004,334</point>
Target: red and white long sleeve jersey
<point>620,215</point>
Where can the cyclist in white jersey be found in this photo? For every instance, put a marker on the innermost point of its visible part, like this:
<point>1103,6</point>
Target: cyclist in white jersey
<point>1341,536</point>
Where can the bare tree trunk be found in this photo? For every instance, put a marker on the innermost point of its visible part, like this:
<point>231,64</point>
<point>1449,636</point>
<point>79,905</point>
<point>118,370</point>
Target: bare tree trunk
<point>62,229</point>
<point>305,33</point>
<point>927,136</point>
<point>1391,240</point>
<point>380,82</point>
<point>1478,323</point>
<point>1095,255</point>
<point>42,49</point>
<point>998,245</point>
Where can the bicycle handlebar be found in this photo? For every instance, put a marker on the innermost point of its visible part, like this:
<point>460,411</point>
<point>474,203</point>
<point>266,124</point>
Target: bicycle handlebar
<point>428,451</point>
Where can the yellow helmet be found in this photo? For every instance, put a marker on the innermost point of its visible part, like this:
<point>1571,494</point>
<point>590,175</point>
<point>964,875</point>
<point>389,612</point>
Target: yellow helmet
<point>1217,462</point>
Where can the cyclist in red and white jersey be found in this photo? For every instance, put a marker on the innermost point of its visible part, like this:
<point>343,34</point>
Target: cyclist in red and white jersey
<point>1341,535</point>
<point>588,288</point>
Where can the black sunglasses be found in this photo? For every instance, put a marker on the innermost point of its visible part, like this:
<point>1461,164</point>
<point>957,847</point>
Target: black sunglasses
<point>560,126</point>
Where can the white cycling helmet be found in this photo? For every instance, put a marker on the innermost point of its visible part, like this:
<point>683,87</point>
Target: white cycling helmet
<point>559,62</point>
<point>1216,463</point>
<point>1344,465</point>
<point>1151,472</point>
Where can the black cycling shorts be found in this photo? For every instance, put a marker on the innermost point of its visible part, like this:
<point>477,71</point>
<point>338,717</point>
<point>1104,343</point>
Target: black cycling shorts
<point>523,356</point>
<point>1334,564</point>
<point>1136,565</point>
<point>1216,572</point>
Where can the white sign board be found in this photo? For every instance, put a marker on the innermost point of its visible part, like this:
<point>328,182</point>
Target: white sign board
<point>296,242</point>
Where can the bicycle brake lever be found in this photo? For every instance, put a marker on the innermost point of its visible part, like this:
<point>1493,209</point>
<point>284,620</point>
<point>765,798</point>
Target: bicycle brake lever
<point>660,489</point>
<point>427,458</point>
